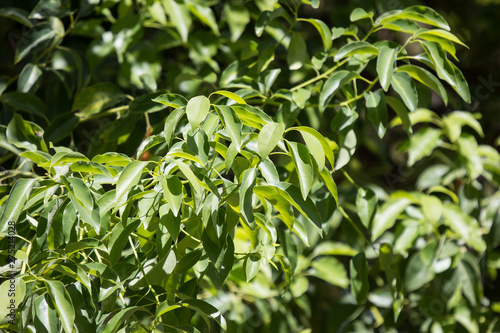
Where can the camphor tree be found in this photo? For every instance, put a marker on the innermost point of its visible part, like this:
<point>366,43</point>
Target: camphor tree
<point>173,167</point>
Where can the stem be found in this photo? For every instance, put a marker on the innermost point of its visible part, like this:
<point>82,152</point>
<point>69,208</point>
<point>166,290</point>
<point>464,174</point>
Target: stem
<point>349,178</point>
<point>142,270</point>
<point>319,77</point>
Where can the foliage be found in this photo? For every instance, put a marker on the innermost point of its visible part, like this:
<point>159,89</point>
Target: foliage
<point>216,207</point>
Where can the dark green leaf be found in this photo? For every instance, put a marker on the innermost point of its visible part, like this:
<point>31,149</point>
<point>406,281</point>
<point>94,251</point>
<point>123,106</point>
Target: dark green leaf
<point>359,277</point>
<point>96,98</point>
<point>297,52</point>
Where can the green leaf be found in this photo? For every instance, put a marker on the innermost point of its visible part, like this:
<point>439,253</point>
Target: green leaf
<point>251,116</point>
<point>45,315</point>
<point>324,31</point>
<point>446,70</point>
<point>387,215</point>
<point>15,203</point>
<point>149,143</point>
<point>403,84</point>
<point>386,62</point>
<point>386,258</point>
<point>16,295</point>
<point>425,77</point>
<point>331,270</point>
<point>252,265</point>
<point>205,15</point>
<point>119,238</point>
<point>16,14</point>
<point>403,25</point>
<point>453,123</point>
<point>178,13</point>
<point>297,52</point>
<point>315,148</point>
<point>42,36</point>
<point>366,203</point>
<point>190,176</point>
<point>232,124</point>
<point>422,144</point>
<point>279,202</point>
<point>303,166</point>
<point>269,136</point>
<point>419,270</point>
<point>416,13</point>
<point>62,301</point>
<point>359,277</point>
<point>27,102</point>
<point>172,192</point>
<point>376,108</point>
<point>238,17</point>
<point>37,157</point>
<point>117,319</point>
<point>197,110</point>
<point>82,199</point>
<point>402,113</point>
<point>355,48</point>
<point>332,85</point>
<point>172,100</point>
<point>311,138</point>
<point>96,98</point>
<point>432,208</point>
<point>248,182</point>
<point>306,206</point>
<point>300,97</point>
<point>171,124</point>
<point>28,78</point>
<point>423,33</point>
<point>230,95</point>
<point>129,177</point>
<point>330,184</point>
<point>333,249</point>
<point>48,8</point>
<point>468,150</point>
<point>359,14</point>
<point>187,261</point>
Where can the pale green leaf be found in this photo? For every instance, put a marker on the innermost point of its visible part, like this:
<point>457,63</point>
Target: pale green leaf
<point>179,15</point>
<point>376,108</point>
<point>303,166</point>
<point>172,192</point>
<point>422,144</point>
<point>403,84</point>
<point>366,203</point>
<point>172,100</point>
<point>331,270</point>
<point>128,178</point>
<point>425,77</point>
<point>230,95</point>
<point>232,124</point>
<point>386,62</point>
<point>269,137</point>
<point>15,202</point>
<point>387,215</point>
<point>197,110</point>
<point>324,31</point>
<point>248,181</point>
